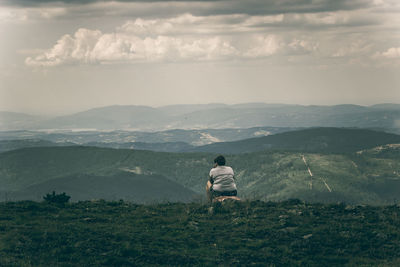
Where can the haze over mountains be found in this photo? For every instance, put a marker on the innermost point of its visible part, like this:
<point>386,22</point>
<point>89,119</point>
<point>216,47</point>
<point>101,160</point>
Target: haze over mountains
<point>217,116</point>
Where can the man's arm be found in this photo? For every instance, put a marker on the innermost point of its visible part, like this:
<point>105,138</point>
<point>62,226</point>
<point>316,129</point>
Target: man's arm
<point>210,178</point>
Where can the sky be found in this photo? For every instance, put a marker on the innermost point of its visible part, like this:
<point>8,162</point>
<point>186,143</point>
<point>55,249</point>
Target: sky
<point>61,57</point>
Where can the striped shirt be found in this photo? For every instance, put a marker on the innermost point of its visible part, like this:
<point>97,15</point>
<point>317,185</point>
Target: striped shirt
<point>223,178</point>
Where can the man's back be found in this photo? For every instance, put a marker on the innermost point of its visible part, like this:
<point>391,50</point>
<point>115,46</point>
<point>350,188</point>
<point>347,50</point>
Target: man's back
<point>223,178</point>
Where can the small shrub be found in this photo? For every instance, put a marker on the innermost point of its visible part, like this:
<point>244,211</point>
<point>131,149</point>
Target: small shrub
<point>56,198</point>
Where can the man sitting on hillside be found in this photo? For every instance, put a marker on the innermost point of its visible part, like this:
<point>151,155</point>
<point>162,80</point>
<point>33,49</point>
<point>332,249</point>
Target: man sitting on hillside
<point>221,181</point>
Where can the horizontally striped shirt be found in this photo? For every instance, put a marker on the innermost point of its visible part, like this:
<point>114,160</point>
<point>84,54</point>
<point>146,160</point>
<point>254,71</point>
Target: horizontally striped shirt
<point>223,177</point>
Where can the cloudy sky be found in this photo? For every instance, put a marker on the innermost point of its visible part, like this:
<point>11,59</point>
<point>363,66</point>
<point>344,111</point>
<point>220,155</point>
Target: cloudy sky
<point>58,57</point>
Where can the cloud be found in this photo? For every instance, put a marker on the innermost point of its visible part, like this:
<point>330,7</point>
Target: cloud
<point>302,46</point>
<point>393,52</point>
<point>264,46</point>
<point>68,50</point>
<point>289,13</point>
<point>211,7</point>
<point>182,38</point>
<point>330,19</point>
<point>179,25</point>
<point>93,47</point>
<point>357,47</point>
<point>12,15</point>
<point>327,29</point>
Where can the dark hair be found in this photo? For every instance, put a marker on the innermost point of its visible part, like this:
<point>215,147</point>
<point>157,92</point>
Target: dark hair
<point>220,160</point>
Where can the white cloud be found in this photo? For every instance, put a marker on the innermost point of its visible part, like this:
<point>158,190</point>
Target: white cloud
<point>354,48</point>
<point>53,12</point>
<point>28,15</point>
<point>92,46</point>
<point>69,50</point>
<point>303,46</point>
<point>187,24</point>
<point>176,25</point>
<point>208,38</point>
<point>393,52</point>
<point>12,15</point>
<point>264,46</point>
<point>183,38</point>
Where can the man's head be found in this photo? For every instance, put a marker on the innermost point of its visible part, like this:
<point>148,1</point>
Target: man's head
<point>220,160</point>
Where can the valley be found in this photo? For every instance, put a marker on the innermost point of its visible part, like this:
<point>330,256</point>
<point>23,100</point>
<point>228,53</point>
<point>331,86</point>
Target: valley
<point>369,177</point>
<point>98,154</point>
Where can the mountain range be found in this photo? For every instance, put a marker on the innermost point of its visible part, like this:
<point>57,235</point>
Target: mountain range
<point>192,137</point>
<point>217,116</point>
<point>367,176</point>
<point>322,140</point>
<point>344,153</point>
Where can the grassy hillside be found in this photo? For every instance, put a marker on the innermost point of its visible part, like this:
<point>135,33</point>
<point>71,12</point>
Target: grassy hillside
<point>124,185</point>
<point>7,145</point>
<point>160,147</point>
<point>353,177</point>
<point>233,234</point>
<point>331,140</point>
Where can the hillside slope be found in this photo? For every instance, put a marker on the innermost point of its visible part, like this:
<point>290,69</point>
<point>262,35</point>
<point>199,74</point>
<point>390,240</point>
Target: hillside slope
<point>321,140</point>
<point>124,185</point>
<point>8,145</point>
<point>354,178</point>
<point>192,136</point>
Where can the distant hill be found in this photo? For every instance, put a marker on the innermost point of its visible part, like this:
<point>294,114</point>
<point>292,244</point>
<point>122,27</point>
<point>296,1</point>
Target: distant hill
<point>7,145</point>
<point>321,140</point>
<point>111,117</point>
<point>178,110</point>
<point>14,120</point>
<point>159,147</point>
<point>218,116</point>
<point>369,177</point>
<point>193,137</point>
<point>387,106</point>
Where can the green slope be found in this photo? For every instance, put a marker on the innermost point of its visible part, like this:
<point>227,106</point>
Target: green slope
<point>123,185</point>
<point>331,140</point>
<point>354,177</point>
<point>7,145</point>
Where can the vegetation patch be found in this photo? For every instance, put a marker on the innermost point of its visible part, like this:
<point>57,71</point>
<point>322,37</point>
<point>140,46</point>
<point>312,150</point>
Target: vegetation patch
<point>290,233</point>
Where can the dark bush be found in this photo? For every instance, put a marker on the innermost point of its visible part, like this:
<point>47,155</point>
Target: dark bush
<point>56,198</point>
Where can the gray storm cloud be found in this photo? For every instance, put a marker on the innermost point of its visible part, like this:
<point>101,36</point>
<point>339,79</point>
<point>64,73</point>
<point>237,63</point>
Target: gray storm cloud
<point>213,7</point>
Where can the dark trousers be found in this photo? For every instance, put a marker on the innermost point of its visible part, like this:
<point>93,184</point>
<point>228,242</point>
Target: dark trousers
<point>222,193</point>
